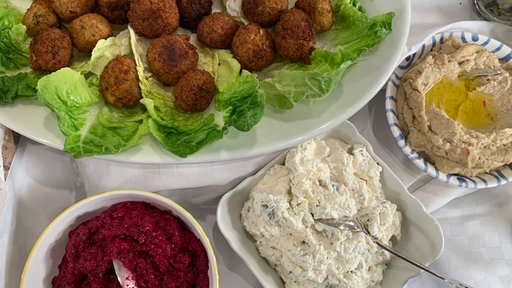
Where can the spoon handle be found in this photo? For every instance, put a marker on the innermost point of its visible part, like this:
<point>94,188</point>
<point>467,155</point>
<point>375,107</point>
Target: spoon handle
<point>453,282</point>
<point>482,72</point>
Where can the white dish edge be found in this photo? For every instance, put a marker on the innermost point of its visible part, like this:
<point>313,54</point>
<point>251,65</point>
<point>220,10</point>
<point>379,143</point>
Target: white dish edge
<point>428,239</point>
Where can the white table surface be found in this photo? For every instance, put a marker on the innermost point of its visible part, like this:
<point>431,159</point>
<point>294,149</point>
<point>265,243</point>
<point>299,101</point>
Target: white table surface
<point>477,225</point>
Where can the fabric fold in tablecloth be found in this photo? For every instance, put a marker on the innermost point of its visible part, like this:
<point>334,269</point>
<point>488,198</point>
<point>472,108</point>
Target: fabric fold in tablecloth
<point>436,194</point>
<point>101,175</point>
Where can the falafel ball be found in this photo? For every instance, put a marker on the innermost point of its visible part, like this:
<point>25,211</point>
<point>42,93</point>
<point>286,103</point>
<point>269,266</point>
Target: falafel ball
<point>295,36</point>
<point>50,50</point>
<point>253,46</point>
<point>320,12</point>
<point>153,18</point>
<point>87,30</point>
<point>116,11</point>
<point>194,91</point>
<point>119,82</point>
<point>170,57</point>
<point>40,16</point>
<point>69,10</point>
<point>192,11</point>
<point>217,30</point>
<point>264,12</point>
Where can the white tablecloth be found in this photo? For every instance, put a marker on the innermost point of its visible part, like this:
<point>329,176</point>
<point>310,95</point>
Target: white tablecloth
<point>477,225</point>
<point>3,186</point>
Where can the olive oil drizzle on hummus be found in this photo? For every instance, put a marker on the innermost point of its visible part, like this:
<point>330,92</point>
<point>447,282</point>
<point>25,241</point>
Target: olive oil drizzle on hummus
<point>459,124</point>
<point>461,101</point>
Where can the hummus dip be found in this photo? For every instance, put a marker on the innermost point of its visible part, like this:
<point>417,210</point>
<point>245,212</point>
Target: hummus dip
<point>322,179</point>
<point>461,125</point>
<point>153,244</point>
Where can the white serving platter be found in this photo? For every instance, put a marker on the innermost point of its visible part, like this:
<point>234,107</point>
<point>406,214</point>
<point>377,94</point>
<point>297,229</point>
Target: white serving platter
<point>276,131</point>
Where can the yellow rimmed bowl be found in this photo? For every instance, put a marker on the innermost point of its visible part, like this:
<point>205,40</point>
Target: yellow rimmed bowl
<point>42,263</point>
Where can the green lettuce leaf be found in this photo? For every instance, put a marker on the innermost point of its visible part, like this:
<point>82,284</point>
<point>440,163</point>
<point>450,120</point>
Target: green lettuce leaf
<point>286,84</point>
<point>181,133</point>
<point>239,94</point>
<point>238,102</point>
<point>91,127</point>
<point>353,30</point>
<point>18,86</point>
<point>107,49</point>
<point>14,43</point>
<point>292,83</point>
<point>17,81</point>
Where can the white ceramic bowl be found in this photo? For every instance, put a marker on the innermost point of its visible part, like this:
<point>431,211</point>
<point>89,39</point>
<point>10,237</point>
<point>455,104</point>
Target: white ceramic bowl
<point>492,179</point>
<point>43,260</point>
<point>422,237</point>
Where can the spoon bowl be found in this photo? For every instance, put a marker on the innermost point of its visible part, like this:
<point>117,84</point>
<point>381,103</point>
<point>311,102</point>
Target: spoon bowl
<point>354,224</point>
<point>124,276</point>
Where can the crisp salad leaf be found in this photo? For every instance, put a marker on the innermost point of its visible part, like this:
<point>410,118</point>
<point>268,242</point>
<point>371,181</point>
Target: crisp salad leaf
<point>108,49</point>
<point>91,127</point>
<point>14,43</point>
<point>17,81</point>
<point>238,102</point>
<point>17,86</point>
<point>239,94</point>
<point>286,84</point>
<point>292,83</point>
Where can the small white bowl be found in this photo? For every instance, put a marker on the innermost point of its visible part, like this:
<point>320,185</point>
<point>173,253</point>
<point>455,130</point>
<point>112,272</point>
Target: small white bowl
<point>422,237</point>
<point>486,180</point>
<point>43,260</point>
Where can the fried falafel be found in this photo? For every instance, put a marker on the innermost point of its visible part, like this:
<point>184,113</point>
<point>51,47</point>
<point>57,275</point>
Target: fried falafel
<point>192,11</point>
<point>153,18</point>
<point>50,50</point>
<point>170,57</point>
<point>116,11</point>
<point>320,12</point>
<point>87,30</point>
<point>194,91</point>
<point>295,36</point>
<point>264,12</point>
<point>40,16</point>
<point>253,46</point>
<point>69,10</point>
<point>217,30</point>
<point>119,82</point>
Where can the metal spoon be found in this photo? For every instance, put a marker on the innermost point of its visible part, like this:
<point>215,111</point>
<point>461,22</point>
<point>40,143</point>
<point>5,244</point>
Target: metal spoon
<point>482,72</point>
<point>355,225</point>
<point>124,276</point>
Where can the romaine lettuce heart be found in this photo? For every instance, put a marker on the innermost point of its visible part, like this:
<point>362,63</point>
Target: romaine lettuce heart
<point>91,127</point>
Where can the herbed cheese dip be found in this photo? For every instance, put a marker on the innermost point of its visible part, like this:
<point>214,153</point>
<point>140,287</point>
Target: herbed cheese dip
<point>322,179</point>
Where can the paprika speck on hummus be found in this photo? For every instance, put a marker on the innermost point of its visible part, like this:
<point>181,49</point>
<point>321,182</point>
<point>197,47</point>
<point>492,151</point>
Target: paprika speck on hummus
<point>461,125</point>
<point>153,244</point>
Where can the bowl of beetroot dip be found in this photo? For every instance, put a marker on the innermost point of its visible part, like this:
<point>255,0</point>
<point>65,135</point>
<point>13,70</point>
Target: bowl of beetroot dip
<point>155,239</point>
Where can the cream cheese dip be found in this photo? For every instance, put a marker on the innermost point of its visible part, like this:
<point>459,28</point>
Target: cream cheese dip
<point>322,179</point>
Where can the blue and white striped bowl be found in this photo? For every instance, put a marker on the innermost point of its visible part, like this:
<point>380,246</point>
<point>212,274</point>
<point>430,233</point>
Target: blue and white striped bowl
<point>487,180</point>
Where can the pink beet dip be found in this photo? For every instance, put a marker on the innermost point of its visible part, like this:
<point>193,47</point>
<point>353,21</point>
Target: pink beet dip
<point>153,244</point>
